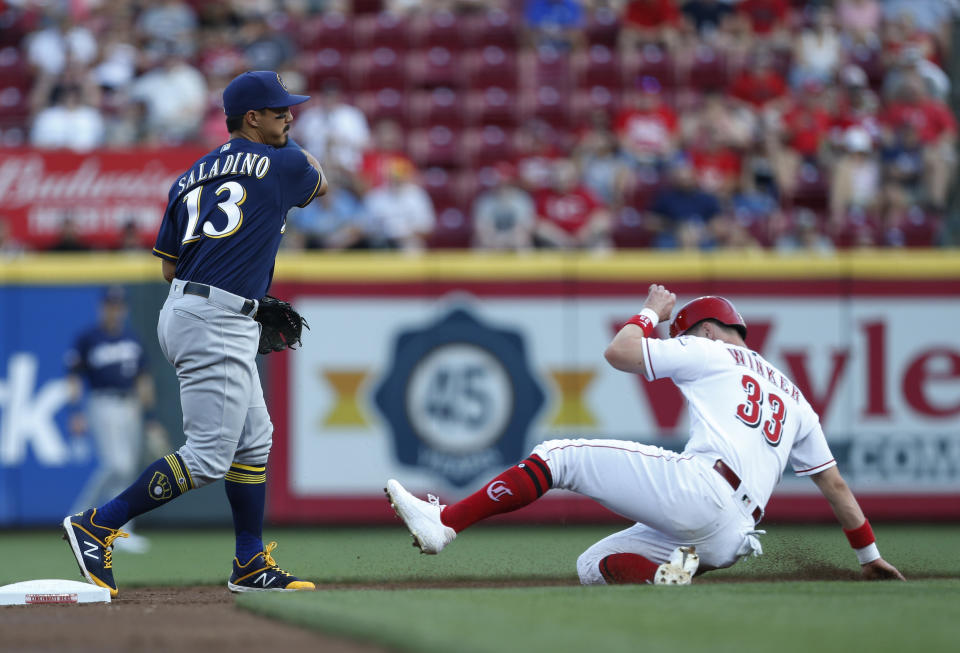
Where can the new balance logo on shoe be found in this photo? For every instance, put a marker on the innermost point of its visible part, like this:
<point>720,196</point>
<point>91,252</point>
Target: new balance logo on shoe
<point>264,580</point>
<point>93,550</point>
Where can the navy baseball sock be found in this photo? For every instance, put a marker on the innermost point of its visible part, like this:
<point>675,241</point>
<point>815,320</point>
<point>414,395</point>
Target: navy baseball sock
<point>161,482</point>
<point>246,487</point>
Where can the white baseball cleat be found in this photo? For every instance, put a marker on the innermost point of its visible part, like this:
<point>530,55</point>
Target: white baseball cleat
<point>422,518</point>
<point>680,569</point>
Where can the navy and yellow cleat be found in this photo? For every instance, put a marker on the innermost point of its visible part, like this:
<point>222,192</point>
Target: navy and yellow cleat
<point>261,574</point>
<point>92,546</point>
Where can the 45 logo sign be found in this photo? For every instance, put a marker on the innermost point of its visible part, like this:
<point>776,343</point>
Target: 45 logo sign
<point>459,397</point>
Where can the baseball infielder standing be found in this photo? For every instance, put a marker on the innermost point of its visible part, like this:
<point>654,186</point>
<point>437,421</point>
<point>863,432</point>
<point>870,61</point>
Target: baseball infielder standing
<point>695,510</point>
<point>110,361</point>
<point>218,241</point>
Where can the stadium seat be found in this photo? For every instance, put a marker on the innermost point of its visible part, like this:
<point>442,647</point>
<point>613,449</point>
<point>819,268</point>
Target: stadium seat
<point>453,230</point>
<point>437,146</point>
<point>438,29</point>
<point>382,30</point>
<point>440,106</point>
<point>432,68</point>
<point>320,66</point>
<point>650,61</point>
<point>387,103</point>
<point>860,229</point>
<point>584,102</point>
<point>545,66</point>
<point>14,70</point>
<point>439,184</point>
<point>708,70</point>
<point>491,106</point>
<point>597,66</point>
<point>811,191</point>
<point>491,66</point>
<point>366,6</point>
<point>916,229</point>
<point>603,27</point>
<point>328,30</point>
<point>630,231</point>
<point>548,104</point>
<point>487,146</point>
<point>382,68</point>
<point>494,27</point>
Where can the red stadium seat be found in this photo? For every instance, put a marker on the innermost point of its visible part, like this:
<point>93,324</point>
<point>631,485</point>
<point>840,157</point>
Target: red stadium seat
<point>438,146</point>
<point>811,191</point>
<point>366,6</point>
<point>650,61</point>
<point>14,70</point>
<point>432,68</point>
<point>494,27</point>
<point>387,103</point>
<point>438,29</point>
<point>860,229</point>
<point>603,27</point>
<point>630,230</point>
<point>327,64</point>
<point>441,106</point>
<point>545,66</point>
<point>439,184</point>
<point>453,230</point>
<point>491,66</point>
<point>708,71</point>
<point>584,102</point>
<point>548,104</point>
<point>491,106</point>
<point>487,146</point>
<point>383,30</point>
<point>382,68</point>
<point>329,30</point>
<point>597,66</point>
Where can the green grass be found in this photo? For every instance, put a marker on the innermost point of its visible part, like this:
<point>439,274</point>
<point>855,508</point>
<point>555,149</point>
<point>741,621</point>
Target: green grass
<point>737,616</point>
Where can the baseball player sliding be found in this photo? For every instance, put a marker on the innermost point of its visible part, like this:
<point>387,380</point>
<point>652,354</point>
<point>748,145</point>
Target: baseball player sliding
<point>218,243</point>
<point>696,510</point>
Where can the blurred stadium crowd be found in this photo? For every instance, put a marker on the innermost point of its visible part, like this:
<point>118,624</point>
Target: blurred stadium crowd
<point>516,124</point>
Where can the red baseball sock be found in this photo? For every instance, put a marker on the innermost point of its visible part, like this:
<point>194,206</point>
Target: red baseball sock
<point>623,568</point>
<point>516,487</point>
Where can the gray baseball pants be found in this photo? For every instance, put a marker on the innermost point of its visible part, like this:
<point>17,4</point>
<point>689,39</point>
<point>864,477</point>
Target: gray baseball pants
<point>213,347</point>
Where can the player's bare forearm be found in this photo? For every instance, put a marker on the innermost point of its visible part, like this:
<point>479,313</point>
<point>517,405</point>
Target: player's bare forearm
<point>625,351</point>
<point>848,512</point>
<point>169,269</point>
<point>841,499</point>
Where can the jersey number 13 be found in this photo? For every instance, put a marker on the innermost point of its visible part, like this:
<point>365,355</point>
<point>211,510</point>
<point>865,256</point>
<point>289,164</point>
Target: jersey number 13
<point>750,411</point>
<point>236,194</point>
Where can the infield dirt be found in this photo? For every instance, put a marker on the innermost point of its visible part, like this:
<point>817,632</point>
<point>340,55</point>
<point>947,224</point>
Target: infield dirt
<point>187,620</point>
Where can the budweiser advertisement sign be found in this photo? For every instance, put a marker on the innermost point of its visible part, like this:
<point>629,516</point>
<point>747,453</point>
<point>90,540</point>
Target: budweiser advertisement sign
<point>100,192</point>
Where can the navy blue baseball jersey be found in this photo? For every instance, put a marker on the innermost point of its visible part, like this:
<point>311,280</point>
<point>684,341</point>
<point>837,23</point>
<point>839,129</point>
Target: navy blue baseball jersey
<point>107,361</point>
<point>225,216</point>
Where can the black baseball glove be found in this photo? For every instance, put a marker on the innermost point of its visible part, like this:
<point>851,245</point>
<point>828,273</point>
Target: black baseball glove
<point>280,325</point>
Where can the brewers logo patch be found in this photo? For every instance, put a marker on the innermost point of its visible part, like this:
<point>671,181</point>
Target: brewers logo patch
<point>159,487</point>
<point>459,397</point>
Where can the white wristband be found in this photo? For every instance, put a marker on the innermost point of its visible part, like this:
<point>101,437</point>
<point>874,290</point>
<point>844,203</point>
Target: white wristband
<point>868,553</point>
<point>651,315</point>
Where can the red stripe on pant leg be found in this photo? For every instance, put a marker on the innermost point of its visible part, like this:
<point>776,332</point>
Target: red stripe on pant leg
<point>625,568</point>
<point>513,489</point>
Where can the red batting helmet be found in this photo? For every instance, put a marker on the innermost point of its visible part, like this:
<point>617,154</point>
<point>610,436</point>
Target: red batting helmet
<point>707,308</point>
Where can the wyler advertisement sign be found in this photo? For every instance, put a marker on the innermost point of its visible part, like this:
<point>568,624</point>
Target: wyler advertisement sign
<point>441,385</point>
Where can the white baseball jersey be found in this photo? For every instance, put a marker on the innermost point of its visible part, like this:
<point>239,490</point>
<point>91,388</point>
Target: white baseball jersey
<point>743,410</point>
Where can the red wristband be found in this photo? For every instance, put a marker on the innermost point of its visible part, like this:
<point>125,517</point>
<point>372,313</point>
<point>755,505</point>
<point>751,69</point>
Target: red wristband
<point>643,322</point>
<point>860,536</point>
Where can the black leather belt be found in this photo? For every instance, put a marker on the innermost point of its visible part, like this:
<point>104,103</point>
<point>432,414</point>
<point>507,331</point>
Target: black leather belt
<point>731,477</point>
<point>203,290</point>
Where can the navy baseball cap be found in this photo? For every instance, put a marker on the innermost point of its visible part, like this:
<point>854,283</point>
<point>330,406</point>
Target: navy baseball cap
<point>255,90</point>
